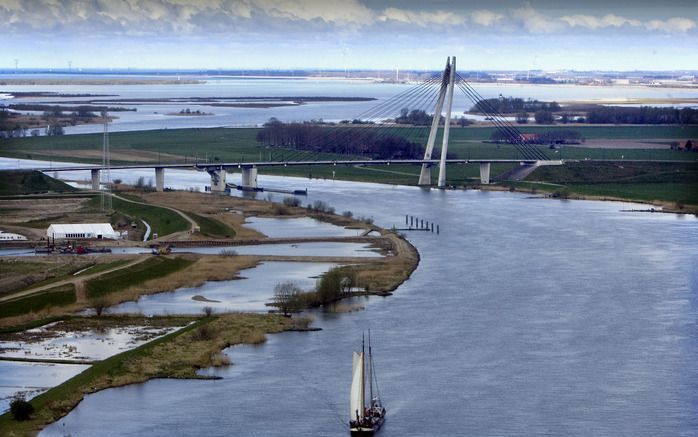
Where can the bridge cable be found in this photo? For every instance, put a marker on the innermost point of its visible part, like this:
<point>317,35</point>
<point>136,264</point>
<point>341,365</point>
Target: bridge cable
<point>516,137</point>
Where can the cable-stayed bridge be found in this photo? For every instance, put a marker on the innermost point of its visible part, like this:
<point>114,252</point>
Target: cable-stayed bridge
<point>368,132</point>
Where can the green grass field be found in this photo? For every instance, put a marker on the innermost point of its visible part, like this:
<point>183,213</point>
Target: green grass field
<point>30,182</point>
<point>240,144</point>
<point>153,268</point>
<point>162,221</point>
<point>54,297</point>
<point>212,227</point>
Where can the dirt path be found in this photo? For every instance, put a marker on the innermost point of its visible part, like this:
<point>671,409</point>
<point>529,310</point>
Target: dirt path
<point>71,280</point>
<point>176,235</point>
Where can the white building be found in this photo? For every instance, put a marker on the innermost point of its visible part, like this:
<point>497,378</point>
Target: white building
<point>9,236</point>
<point>81,231</point>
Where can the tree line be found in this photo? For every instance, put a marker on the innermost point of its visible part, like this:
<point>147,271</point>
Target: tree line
<point>561,136</point>
<point>346,140</point>
<point>513,105</point>
<point>641,115</point>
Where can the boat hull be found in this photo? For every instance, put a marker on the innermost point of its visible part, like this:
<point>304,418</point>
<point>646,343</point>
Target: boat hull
<point>366,430</point>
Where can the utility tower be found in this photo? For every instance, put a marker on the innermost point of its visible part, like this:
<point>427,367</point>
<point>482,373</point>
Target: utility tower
<point>106,164</point>
<point>445,96</point>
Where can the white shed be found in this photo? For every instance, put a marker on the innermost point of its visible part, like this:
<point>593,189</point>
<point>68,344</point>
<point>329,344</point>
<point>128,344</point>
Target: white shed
<point>81,231</point>
<point>9,236</point>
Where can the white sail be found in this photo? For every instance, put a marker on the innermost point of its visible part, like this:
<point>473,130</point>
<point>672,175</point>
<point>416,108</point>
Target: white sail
<point>357,387</point>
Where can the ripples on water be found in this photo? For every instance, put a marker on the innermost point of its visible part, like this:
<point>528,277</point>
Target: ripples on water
<point>524,317</point>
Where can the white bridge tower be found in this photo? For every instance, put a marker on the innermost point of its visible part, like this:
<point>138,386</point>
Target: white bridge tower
<point>445,96</point>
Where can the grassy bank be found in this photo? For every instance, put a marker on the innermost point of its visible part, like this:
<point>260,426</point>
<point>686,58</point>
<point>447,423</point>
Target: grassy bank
<point>212,227</point>
<point>177,355</point>
<point>30,182</point>
<point>669,182</point>
<point>59,296</point>
<point>153,268</point>
<point>161,220</point>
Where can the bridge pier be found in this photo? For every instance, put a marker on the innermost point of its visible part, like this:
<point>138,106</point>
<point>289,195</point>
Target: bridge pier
<point>447,125</point>
<point>95,179</point>
<point>159,179</point>
<point>217,180</point>
<point>485,173</point>
<point>425,174</point>
<point>249,177</point>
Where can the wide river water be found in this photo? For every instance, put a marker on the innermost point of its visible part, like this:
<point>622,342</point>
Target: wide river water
<point>158,115</point>
<point>524,317</point>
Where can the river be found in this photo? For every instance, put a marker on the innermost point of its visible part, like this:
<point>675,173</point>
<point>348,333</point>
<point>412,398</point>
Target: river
<point>157,115</point>
<point>525,316</point>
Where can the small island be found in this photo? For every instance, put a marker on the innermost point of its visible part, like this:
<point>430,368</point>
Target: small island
<point>189,112</point>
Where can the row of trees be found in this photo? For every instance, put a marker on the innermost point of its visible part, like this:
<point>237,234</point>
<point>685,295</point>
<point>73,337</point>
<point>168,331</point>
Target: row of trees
<point>561,136</point>
<point>642,115</point>
<point>332,286</point>
<point>308,136</point>
<point>513,105</point>
<point>18,131</point>
<point>416,117</point>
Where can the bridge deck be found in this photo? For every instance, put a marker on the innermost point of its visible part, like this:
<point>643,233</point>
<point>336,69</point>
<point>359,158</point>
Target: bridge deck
<point>238,165</point>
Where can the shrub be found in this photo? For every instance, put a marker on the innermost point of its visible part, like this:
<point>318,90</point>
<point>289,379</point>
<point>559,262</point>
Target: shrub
<point>204,332</point>
<point>21,409</point>
<point>348,214</point>
<point>99,305</point>
<point>292,201</point>
<point>334,283</point>
<point>280,209</point>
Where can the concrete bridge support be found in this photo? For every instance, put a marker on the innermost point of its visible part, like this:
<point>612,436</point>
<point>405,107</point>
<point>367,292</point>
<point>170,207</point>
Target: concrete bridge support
<point>159,179</point>
<point>95,179</point>
<point>447,125</point>
<point>217,180</point>
<point>425,174</point>
<point>249,177</point>
<point>485,173</point>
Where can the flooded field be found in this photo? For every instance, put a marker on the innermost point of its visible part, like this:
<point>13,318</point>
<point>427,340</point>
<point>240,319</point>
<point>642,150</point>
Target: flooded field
<point>329,249</point>
<point>298,227</point>
<point>31,379</point>
<point>251,292</point>
<point>52,342</point>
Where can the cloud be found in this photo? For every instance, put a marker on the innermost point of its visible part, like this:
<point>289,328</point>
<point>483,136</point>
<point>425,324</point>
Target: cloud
<point>281,18</point>
<point>485,17</point>
<point>672,25</point>
<point>534,21</point>
<point>339,12</point>
<point>422,18</point>
<point>591,22</point>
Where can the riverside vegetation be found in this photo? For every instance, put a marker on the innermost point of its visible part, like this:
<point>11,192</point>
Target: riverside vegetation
<point>97,282</point>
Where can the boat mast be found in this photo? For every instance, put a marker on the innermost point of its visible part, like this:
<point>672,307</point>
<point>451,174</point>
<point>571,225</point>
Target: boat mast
<point>363,373</point>
<point>370,369</point>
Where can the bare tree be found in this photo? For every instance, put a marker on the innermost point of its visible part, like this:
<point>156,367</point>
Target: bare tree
<point>288,297</point>
<point>99,305</point>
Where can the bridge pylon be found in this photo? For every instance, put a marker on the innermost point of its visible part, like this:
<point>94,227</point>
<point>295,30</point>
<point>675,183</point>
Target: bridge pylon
<point>445,96</point>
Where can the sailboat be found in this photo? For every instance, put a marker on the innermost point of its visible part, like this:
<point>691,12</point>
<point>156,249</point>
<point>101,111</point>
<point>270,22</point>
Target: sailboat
<point>366,417</point>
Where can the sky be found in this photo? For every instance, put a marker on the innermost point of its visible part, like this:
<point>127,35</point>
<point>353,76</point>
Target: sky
<point>350,34</point>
